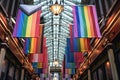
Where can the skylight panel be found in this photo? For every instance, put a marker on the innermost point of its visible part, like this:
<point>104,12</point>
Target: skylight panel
<point>69,3</point>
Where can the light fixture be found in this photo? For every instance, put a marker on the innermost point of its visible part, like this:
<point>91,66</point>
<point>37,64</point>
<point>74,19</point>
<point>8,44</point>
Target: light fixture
<point>55,78</point>
<point>6,38</point>
<point>56,8</point>
<point>13,20</point>
<point>55,62</point>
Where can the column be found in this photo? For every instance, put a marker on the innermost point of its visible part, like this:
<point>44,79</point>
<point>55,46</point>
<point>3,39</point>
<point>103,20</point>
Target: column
<point>89,74</point>
<point>112,61</point>
<point>2,56</point>
<point>22,74</point>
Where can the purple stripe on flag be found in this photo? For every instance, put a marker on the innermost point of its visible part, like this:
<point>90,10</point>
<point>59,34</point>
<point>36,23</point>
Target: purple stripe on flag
<point>17,23</point>
<point>75,22</point>
<point>96,21</point>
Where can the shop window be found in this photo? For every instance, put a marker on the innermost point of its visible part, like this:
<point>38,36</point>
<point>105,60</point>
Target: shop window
<point>108,71</point>
<point>10,74</point>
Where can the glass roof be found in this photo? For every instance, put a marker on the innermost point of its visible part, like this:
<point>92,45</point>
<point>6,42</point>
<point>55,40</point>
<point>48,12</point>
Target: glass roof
<point>56,27</point>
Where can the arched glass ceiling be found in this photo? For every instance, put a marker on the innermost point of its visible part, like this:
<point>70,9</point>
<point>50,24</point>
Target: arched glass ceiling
<point>56,28</point>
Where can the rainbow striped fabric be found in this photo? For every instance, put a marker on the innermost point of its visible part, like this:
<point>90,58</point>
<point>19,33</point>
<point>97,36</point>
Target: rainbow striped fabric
<point>27,26</point>
<point>33,45</point>
<point>38,70</point>
<point>78,58</point>
<point>70,71</point>
<point>36,57</point>
<point>85,22</point>
<point>37,64</point>
<point>78,44</point>
<point>70,65</point>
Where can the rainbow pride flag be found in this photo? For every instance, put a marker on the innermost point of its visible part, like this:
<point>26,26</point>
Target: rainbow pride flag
<point>69,71</point>
<point>38,70</point>
<point>78,58</point>
<point>78,44</point>
<point>27,26</point>
<point>37,64</point>
<point>36,57</point>
<point>85,22</point>
<point>33,45</point>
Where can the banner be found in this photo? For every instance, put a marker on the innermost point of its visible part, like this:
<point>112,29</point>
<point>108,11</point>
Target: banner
<point>85,22</point>
<point>27,26</point>
<point>78,44</point>
<point>33,45</point>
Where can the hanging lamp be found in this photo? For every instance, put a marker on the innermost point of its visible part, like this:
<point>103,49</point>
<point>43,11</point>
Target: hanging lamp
<point>56,8</point>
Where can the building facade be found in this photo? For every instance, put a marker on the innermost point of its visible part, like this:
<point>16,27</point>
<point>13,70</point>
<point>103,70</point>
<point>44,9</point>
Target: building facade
<point>13,63</point>
<point>103,62</point>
